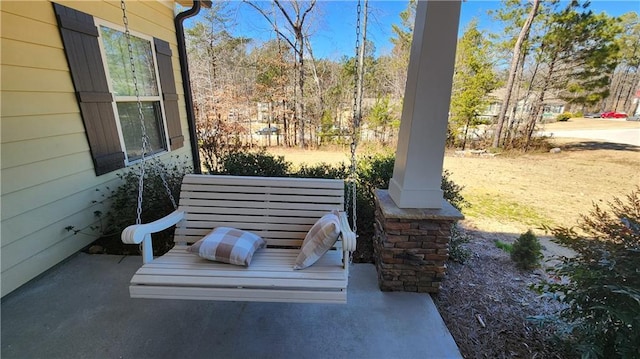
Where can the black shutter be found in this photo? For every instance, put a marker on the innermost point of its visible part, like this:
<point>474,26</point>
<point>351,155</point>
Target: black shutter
<point>169,95</point>
<point>80,40</point>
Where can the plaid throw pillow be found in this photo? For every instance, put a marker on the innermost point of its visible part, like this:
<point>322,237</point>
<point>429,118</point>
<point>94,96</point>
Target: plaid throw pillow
<point>228,245</point>
<point>320,238</point>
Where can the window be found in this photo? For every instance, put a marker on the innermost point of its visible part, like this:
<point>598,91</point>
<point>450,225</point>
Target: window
<point>98,60</point>
<point>118,69</point>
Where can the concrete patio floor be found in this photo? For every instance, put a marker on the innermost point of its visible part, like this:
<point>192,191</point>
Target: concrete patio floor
<point>82,309</point>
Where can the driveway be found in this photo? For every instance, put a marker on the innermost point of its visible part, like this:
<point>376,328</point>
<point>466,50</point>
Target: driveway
<point>609,130</point>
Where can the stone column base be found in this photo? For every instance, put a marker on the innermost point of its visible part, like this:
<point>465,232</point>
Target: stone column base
<point>411,246</point>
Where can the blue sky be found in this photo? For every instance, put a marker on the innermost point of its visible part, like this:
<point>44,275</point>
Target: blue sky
<point>333,27</point>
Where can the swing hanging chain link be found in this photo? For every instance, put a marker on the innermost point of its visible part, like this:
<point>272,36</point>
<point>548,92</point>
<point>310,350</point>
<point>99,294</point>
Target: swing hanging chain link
<point>146,147</point>
<point>351,192</point>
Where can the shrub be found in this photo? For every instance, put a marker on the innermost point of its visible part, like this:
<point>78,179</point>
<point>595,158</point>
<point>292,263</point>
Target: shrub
<point>526,251</point>
<point>452,192</point>
<point>217,139</point>
<point>578,114</point>
<point>123,201</point>
<point>457,251</point>
<point>602,286</point>
<point>255,164</point>
<point>322,170</point>
<point>565,116</point>
<point>373,172</point>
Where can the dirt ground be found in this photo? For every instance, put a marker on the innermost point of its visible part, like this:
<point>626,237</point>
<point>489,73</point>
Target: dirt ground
<point>486,302</point>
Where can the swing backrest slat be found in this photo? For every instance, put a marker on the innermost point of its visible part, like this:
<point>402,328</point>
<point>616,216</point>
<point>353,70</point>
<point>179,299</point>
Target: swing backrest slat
<point>280,210</point>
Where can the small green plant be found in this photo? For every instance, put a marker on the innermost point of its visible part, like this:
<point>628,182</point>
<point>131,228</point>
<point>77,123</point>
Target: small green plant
<point>526,251</point>
<point>565,116</point>
<point>452,192</point>
<point>507,247</point>
<point>457,251</point>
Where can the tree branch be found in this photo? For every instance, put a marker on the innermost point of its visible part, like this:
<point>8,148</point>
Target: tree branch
<point>275,28</point>
<point>313,3</point>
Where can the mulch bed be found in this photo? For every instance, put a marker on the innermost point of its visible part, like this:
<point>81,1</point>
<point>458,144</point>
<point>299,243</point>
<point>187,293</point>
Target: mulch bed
<point>485,303</point>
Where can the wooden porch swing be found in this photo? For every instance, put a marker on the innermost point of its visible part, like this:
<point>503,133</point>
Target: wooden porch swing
<point>280,210</point>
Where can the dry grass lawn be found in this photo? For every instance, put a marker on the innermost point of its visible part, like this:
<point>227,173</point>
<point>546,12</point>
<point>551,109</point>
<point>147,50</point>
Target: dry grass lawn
<point>513,193</point>
<point>299,156</point>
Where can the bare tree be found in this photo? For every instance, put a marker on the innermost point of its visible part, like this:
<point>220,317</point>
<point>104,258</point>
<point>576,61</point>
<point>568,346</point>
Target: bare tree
<point>513,70</point>
<point>295,16</point>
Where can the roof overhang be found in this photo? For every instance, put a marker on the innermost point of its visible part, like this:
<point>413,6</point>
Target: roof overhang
<point>189,3</point>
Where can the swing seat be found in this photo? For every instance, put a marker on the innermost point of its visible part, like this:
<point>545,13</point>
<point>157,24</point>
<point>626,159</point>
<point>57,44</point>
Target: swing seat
<point>280,210</point>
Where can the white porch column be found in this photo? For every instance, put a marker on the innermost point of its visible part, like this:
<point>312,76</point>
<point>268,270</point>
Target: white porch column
<point>418,168</point>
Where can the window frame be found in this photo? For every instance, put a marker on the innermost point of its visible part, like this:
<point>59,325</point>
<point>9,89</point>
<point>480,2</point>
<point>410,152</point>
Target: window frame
<point>166,146</point>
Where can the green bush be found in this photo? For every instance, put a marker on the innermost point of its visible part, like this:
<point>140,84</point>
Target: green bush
<point>526,251</point>
<point>122,204</point>
<point>457,251</point>
<point>255,164</point>
<point>565,116</point>
<point>373,172</point>
<point>452,192</point>
<point>578,114</point>
<point>602,282</point>
<point>322,170</point>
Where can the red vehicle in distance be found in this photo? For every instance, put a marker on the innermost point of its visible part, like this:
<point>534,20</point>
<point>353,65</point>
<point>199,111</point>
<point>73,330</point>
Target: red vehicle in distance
<point>613,114</point>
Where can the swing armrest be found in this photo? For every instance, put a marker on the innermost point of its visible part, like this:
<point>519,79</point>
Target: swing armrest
<point>348,236</point>
<point>136,233</point>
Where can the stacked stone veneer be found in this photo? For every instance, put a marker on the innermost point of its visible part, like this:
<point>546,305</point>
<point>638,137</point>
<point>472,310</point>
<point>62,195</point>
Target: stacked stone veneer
<point>411,246</point>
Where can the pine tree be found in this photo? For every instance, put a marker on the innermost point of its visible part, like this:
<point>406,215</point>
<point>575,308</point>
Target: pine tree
<point>473,79</point>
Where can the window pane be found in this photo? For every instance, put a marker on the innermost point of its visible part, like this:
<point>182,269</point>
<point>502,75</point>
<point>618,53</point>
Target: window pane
<point>132,133</point>
<point>119,64</point>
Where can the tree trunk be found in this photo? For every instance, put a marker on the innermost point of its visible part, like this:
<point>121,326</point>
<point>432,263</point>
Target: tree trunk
<point>509,134</point>
<point>539,104</point>
<point>301,115</point>
<point>466,133</point>
<point>524,33</point>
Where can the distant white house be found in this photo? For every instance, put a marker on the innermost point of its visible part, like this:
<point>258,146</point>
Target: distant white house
<point>553,106</point>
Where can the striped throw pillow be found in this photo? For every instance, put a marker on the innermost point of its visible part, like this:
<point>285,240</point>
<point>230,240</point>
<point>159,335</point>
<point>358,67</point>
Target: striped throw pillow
<point>228,245</point>
<point>320,238</point>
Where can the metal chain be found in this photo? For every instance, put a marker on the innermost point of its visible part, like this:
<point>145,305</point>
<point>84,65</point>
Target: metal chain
<point>351,193</point>
<point>146,146</point>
